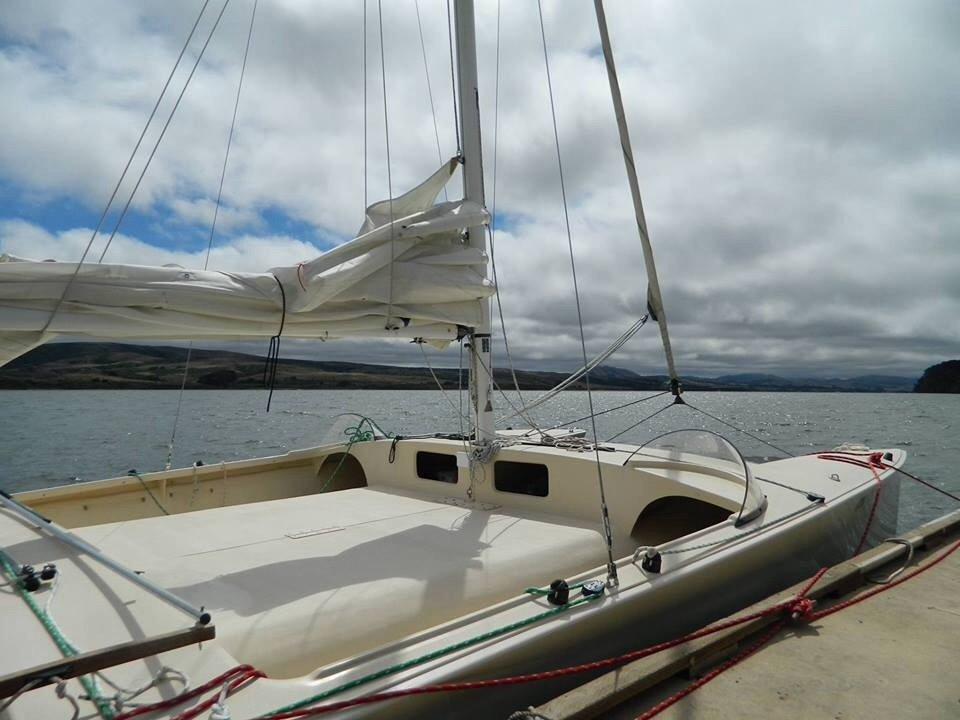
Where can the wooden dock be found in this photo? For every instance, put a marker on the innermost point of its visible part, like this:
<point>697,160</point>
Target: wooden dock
<point>893,655</point>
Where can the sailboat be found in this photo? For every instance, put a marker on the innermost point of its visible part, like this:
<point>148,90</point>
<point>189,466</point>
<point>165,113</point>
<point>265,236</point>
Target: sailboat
<point>276,586</point>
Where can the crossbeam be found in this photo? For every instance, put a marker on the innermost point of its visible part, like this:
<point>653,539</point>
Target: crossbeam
<point>88,662</point>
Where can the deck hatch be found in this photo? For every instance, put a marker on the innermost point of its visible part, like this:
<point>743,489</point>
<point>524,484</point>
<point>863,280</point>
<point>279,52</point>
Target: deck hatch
<point>437,466</point>
<point>521,478</point>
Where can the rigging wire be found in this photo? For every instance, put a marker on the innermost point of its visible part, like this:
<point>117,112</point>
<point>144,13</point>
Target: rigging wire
<point>233,125</point>
<point>433,374</point>
<point>213,228</point>
<point>386,130</point>
<point>453,83</point>
<point>433,110</point>
<point>637,424</point>
<point>610,410</point>
<point>611,565</point>
<point>517,411</point>
<point>740,430</point>
<point>364,65</point>
<point>116,188</point>
<point>163,131</point>
<point>596,361</point>
<point>493,215</point>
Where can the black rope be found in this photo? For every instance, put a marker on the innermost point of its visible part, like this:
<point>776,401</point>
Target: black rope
<point>740,430</point>
<point>392,455</point>
<point>273,350</point>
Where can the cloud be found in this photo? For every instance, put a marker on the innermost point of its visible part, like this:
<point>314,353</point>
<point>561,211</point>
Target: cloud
<point>201,211</point>
<point>245,253</point>
<point>799,165</point>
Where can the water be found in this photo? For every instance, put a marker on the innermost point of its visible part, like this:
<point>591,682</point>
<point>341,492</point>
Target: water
<point>56,437</point>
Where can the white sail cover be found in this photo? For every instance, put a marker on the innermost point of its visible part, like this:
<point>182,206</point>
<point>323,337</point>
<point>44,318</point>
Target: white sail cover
<point>412,277</point>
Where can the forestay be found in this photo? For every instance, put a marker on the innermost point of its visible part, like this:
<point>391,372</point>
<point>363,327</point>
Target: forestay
<point>407,274</point>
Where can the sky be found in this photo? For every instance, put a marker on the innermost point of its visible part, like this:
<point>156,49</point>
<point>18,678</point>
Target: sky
<point>800,165</point>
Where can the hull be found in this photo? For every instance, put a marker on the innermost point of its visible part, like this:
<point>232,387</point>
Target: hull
<point>672,606</point>
<point>707,572</point>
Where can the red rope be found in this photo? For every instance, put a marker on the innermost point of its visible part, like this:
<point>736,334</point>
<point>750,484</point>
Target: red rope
<point>674,699</point>
<point>808,615</point>
<point>238,683</point>
<point>871,463</point>
<point>799,607</point>
<point>883,588</point>
<point>795,607</point>
<point>873,511</point>
<point>216,682</point>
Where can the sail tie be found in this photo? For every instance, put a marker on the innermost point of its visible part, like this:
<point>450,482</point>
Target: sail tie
<point>273,350</point>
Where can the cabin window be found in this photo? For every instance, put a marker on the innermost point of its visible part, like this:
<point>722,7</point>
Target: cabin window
<point>521,478</point>
<point>437,466</point>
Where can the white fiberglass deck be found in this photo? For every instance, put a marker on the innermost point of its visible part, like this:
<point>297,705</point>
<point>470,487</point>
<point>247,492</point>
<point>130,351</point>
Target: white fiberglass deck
<point>295,583</point>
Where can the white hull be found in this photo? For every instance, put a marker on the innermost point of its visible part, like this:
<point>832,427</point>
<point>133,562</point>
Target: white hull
<point>389,566</point>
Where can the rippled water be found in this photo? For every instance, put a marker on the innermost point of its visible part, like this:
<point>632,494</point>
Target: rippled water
<point>55,437</point>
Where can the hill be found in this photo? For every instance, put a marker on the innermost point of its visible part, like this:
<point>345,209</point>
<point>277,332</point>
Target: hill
<point>118,366</point>
<point>941,378</point>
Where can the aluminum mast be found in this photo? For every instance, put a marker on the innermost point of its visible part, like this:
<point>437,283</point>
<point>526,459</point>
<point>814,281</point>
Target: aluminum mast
<point>481,382</point>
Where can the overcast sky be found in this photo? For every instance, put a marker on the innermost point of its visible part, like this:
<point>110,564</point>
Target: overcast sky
<point>800,165</point>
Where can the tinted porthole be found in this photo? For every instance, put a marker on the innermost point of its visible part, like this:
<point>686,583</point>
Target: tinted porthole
<point>521,478</point>
<point>437,466</point>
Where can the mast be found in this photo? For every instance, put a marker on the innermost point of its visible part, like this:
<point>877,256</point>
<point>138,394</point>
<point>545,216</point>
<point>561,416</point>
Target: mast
<point>472,159</point>
<point>654,300</point>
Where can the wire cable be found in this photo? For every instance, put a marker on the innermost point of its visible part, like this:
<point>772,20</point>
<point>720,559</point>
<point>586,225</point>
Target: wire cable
<point>453,83</point>
<point>213,227</point>
<point>426,72</point>
<point>611,565</point>
<point>637,424</point>
<point>587,367</point>
<point>739,429</point>
<point>386,130</point>
<point>116,188</point>
<point>163,131</point>
<point>364,65</point>
<point>433,374</point>
<point>493,216</point>
<point>610,410</point>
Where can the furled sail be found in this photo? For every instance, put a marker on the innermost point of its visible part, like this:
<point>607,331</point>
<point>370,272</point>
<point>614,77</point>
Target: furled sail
<point>408,274</point>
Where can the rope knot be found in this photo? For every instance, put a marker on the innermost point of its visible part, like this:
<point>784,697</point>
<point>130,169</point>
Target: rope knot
<point>220,712</point>
<point>800,609</point>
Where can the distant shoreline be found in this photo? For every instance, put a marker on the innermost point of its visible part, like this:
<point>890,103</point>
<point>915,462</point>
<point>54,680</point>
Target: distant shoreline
<point>113,366</point>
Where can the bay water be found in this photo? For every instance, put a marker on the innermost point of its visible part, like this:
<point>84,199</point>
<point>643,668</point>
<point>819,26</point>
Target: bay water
<point>55,437</point>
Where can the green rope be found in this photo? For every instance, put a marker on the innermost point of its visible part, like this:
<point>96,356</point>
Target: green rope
<point>358,434</point>
<point>440,652</point>
<point>66,647</point>
<point>354,434</point>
